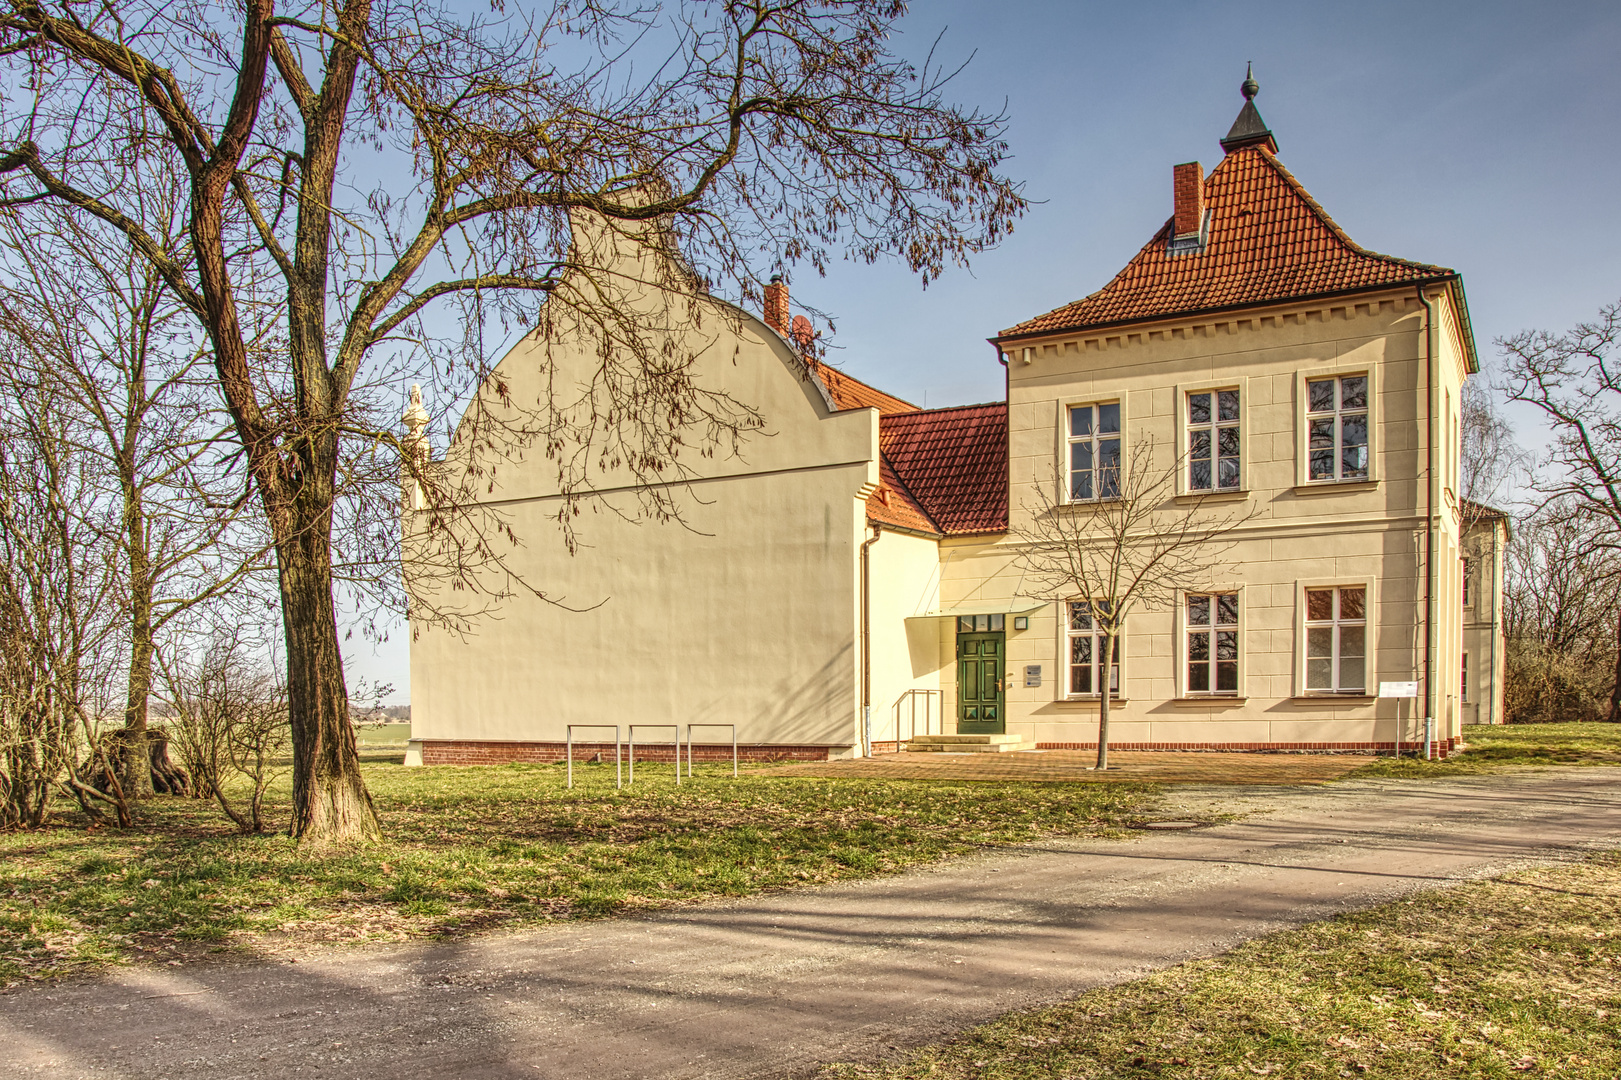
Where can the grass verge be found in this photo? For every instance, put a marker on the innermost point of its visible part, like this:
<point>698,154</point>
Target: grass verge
<point>474,848</point>
<point>1517,976</point>
<point>1494,747</point>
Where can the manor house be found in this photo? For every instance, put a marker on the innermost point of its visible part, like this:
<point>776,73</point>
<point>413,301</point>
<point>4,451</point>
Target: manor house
<point>849,579</point>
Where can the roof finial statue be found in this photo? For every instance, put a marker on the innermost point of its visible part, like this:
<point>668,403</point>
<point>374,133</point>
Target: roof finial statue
<point>416,416</point>
<point>1249,129</point>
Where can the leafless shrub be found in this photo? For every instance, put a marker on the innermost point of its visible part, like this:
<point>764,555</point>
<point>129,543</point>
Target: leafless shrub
<point>228,721</point>
<point>58,618</point>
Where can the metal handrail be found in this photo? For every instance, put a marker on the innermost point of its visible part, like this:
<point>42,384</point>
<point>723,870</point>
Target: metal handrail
<point>569,744</point>
<point>673,727</point>
<point>689,747</point>
<point>930,712</point>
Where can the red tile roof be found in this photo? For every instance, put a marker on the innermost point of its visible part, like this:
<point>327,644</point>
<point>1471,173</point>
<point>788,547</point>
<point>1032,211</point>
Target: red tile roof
<point>849,392</point>
<point>1268,240</point>
<point>893,505</point>
<point>948,466</point>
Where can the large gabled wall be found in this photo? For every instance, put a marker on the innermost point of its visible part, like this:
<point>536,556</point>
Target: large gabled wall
<point>743,612</point>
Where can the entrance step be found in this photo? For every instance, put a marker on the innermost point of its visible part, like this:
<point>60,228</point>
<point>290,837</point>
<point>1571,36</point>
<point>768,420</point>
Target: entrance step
<point>970,744</point>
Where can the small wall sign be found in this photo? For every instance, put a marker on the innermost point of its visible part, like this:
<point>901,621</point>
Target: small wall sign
<point>1032,674</point>
<point>1398,689</point>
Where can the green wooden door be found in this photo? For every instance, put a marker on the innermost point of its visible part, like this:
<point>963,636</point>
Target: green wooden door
<point>981,683</point>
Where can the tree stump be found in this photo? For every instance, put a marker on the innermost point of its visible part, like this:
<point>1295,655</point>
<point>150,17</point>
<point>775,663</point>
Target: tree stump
<point>167,777</point>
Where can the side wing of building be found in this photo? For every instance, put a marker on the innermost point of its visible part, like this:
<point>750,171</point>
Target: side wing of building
<point>740,610</point>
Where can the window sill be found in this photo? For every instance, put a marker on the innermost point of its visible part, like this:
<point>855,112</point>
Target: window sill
<point>1210,699</point>
<point>1084,504</point>
<point>1090,699</point>
<point>1187,498</point>
<point>1318,487</point>
<point>1344,699</point>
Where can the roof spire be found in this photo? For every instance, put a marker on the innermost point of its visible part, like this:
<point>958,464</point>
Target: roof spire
<point>1249,129</point>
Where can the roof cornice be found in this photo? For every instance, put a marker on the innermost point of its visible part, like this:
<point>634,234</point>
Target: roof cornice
<point>1192,314</point>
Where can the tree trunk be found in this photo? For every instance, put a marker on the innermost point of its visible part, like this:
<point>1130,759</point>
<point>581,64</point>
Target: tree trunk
<point>1615,688</point>
<point>330,800</point>
<point>1103,701</point>
<point>135,774</point>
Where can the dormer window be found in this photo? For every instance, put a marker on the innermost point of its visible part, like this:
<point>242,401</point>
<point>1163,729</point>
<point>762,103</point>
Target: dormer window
<point>1190,243</point>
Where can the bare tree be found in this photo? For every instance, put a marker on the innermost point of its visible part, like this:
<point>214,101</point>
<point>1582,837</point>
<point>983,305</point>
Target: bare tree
<point>1489,454</point>
<point>386,158</point>
<point>1561,598</point>
<point>91,323</point>
<point>1133,547</point>
<point>1574,378</point>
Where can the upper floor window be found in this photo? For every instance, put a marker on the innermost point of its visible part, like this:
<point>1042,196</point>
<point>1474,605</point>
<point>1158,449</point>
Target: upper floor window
<point>1337,428</point>
<point>1086,650</point>
<point>1094,451</point>
<point>1212,626</point>
<point>1213,440</point>
<point>1468,565</point>
<point>1336,640</point>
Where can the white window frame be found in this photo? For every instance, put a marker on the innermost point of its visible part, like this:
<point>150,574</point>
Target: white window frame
<point>1303,417</point>
<point>1337,414</point>
<point>1067,440</point>
<point>1185,629</point>
<point>1369,622</point>
<point>1066,635</point>
<point>1213,426</point>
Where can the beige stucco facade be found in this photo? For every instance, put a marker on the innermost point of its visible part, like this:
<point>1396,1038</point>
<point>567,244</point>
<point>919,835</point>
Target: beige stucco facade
<point>1484,647</point>
<point>1302,534</point>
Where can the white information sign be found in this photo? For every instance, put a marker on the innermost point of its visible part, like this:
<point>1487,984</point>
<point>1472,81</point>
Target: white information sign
<point>1398,689</point>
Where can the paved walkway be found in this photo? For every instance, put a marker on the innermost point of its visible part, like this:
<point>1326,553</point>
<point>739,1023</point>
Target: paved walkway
<point>777,986</point>
<point>1077,765</point>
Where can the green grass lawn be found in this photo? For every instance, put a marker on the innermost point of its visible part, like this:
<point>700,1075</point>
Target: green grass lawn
<point>1520,976</point>
<point>472,848</point>
<point>1494,747</point>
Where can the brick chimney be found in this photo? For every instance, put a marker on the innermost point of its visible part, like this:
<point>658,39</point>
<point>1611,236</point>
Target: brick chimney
<point>1188,181</point>
<point>776,305</point>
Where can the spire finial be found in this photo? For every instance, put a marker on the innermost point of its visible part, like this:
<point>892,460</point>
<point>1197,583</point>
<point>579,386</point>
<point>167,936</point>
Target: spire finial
<point>1249,129</point>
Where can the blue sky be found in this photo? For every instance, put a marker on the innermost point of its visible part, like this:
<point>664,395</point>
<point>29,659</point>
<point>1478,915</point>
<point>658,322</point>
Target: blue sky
<point>1481,136</point>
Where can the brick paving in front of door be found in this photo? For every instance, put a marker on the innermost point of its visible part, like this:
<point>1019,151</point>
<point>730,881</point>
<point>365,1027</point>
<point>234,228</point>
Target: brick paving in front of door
<point>1166,767</point>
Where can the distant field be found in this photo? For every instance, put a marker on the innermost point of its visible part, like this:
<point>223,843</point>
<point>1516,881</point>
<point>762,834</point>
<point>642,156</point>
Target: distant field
<point>383,734</point>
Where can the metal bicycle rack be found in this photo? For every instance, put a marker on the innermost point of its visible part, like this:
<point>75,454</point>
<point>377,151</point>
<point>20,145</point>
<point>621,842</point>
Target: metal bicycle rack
<point>618,765</point>
<point>732,727</point>
<point>673,727</point>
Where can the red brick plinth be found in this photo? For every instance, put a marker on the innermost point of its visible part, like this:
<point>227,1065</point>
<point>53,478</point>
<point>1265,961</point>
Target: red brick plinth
<point>480,752</point>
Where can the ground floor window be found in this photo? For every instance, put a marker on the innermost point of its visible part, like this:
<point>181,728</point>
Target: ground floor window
<point>1212,628</point>
<point>1336,640</point>
<point>1463,679</point>
<point>1086,649</point>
